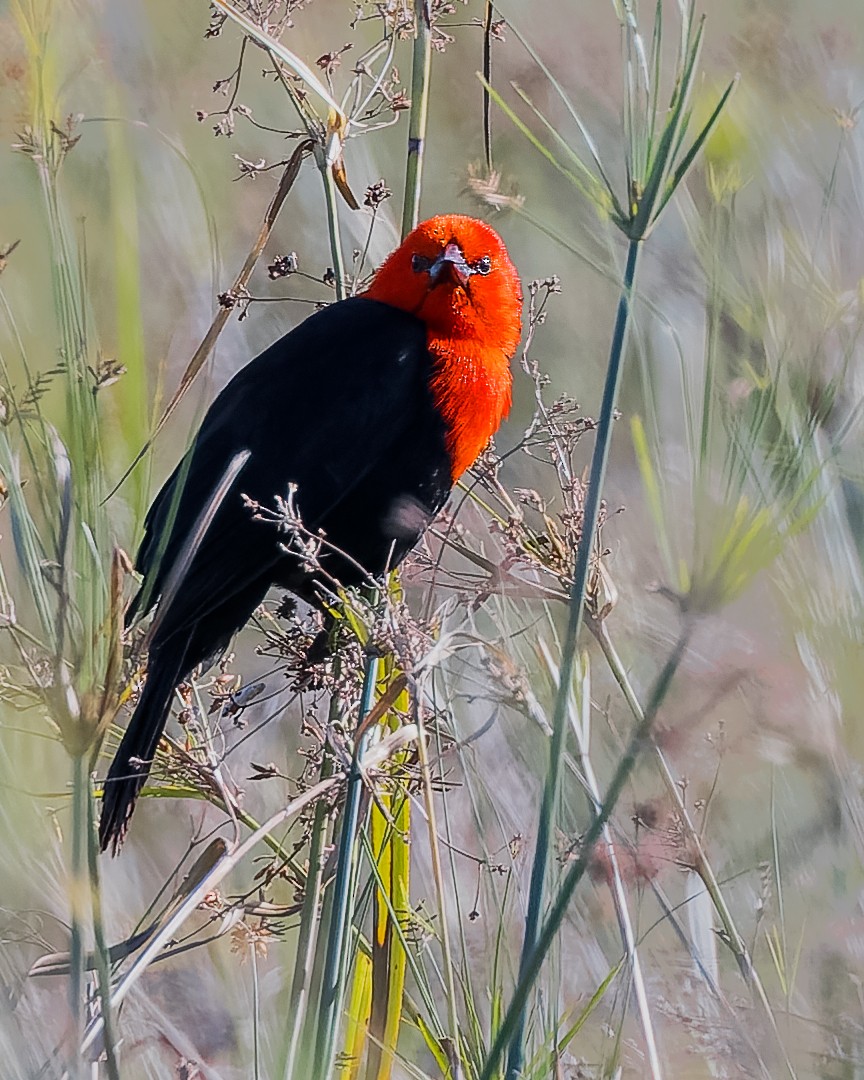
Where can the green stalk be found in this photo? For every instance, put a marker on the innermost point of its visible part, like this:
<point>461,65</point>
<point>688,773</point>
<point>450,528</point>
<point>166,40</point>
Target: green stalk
<point>103,964</point>
<point>552,786</point>
<point>78,891</point>
<point>307,936</point>
<point>411,956</point>
<point>309,1032</point>
<point>337,940</point>
<point>256,1014</point>
<point>421,69</point>
<point>487,81</point>
<point>512,1026</point>
<point>332,219</point>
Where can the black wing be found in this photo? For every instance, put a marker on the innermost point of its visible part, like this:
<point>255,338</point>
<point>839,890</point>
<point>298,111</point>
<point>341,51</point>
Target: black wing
<point>342,395</point>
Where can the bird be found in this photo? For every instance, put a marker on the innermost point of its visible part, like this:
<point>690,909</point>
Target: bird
<point>360,419</point>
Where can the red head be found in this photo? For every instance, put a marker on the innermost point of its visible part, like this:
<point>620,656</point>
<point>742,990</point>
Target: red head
<point>453,272</point>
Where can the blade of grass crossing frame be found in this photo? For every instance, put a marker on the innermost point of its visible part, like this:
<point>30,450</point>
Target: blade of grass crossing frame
<point>418,972</point>
<point>187,552</point>
<point>400,879</point>
<point>338,938</point>
<point>389,961</point>
<point>381,834</point>
<point>433,1045</point>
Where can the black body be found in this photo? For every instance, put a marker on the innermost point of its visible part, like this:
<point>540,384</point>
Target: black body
<point>341,407</point>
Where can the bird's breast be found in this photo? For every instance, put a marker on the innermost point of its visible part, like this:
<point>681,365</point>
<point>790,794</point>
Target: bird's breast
<point>472,390</point>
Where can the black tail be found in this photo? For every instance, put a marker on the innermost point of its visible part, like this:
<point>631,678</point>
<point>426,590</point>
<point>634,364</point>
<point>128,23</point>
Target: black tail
<point>132,762</point>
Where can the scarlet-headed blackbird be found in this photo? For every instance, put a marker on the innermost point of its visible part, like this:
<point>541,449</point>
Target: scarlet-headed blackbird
<point>372,407</point>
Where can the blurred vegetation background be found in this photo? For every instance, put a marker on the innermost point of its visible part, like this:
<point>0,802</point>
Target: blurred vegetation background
<point>736,461</point>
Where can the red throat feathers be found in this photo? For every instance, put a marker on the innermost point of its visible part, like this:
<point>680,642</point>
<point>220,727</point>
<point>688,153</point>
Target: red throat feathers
<point>453,272</point>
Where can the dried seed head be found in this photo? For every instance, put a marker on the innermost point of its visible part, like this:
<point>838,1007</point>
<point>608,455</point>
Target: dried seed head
<point>283,266</point>
<point>376,194</point>
<point>488,189</point>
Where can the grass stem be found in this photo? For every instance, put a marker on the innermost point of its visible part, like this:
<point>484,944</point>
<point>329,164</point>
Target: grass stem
<point>337,943</point>
<point>487,81</point>
<point>78,893</point>
<point>308,933</point>
<point>256,1012</point>
<point>577,601</point>
<point>420,72</point>
<point>101,950</point>
<point>333,230</point>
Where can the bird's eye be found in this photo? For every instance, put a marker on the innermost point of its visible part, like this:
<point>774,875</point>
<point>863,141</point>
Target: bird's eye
<point>420,263</point>
<point>483,266</point>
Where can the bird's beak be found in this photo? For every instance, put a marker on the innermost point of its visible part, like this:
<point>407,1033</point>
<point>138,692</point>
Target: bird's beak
<point>451,262</point>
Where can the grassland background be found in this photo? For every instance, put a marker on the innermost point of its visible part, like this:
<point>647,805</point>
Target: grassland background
<point>765,718</point>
